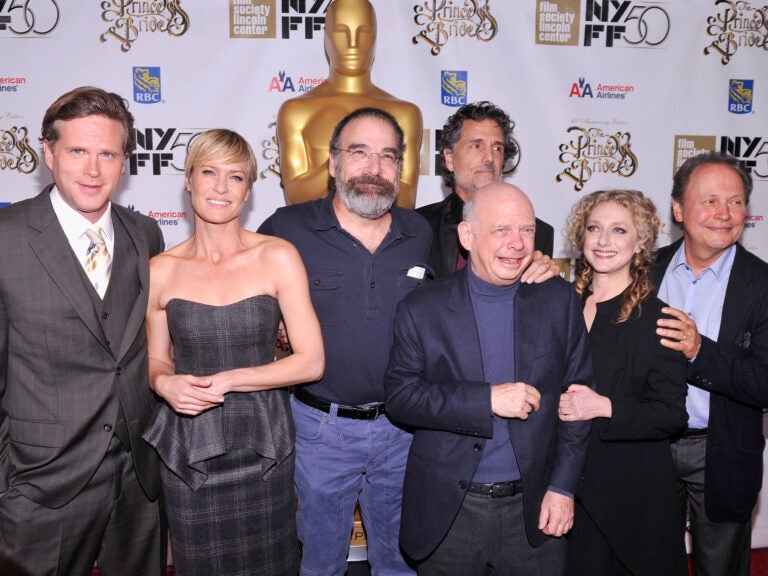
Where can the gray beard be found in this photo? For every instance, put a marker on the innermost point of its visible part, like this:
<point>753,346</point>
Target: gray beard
<point>369,206</point>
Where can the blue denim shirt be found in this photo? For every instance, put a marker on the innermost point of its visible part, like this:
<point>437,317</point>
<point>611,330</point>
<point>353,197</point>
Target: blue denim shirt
<point>353,291</point>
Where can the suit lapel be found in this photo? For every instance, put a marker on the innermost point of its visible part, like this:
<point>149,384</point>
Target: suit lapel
<point>55,254</point>
<point>462,330</point>
<point>737,298</point>
<point>138,311</point>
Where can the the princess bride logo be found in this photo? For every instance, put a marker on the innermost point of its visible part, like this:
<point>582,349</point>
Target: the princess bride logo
<point>441,20</point>
<point>16,153</point>
<point>595,150</point>
<point>129,18</point>
<point>737,25</point>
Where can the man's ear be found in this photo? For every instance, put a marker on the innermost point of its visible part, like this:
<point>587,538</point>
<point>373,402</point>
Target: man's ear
<point>677,210</point>
<point>465,235</point>
<point>448,159</point>
<point>48,154</point>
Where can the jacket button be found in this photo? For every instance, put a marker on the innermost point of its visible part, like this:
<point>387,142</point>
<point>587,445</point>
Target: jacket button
<point>118,370</point>
<point>477,447</point>
<point>462,484</point>
<point>107,427</point>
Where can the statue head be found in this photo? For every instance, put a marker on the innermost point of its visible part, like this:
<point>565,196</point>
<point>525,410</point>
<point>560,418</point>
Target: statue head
<point>350,36</point>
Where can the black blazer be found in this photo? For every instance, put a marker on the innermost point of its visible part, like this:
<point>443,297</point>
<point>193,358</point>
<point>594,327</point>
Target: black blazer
<point>435,385</point>
<point>444,218</point>
<point>735,371</point>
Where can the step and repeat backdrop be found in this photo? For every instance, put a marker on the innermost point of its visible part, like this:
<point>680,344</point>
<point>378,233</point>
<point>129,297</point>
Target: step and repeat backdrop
<point>604,93</point>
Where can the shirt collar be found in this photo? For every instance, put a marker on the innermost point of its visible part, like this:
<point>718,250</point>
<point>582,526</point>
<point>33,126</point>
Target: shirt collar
<point>75,224</point>
<point>721,268</point>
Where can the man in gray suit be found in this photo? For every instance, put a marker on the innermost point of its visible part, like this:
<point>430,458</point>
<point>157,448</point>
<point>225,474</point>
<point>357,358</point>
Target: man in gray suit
<point>79,483</point>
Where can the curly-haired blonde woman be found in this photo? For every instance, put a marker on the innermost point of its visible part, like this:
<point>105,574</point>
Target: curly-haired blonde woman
<point>627,521</point>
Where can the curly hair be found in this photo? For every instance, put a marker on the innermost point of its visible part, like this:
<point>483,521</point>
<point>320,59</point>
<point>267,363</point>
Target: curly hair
<point>477,111</point>
<point>647,223</point>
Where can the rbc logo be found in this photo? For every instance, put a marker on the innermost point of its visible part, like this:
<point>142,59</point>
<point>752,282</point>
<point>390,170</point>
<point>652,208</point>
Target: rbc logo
<point>146,85</point>
<point>740,96</point>
<point>453,87</point>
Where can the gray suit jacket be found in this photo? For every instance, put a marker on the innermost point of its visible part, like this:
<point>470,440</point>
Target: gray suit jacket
<point>62,384</point>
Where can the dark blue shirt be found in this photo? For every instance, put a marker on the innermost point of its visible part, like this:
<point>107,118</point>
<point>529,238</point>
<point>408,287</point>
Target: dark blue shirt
<point>353,291</point>
<point>494,317</point>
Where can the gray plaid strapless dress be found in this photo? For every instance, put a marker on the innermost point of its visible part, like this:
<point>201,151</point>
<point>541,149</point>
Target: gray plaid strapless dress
<point>228,474</point>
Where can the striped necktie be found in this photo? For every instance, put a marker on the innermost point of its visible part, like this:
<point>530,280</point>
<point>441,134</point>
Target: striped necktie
<point>98,262</point>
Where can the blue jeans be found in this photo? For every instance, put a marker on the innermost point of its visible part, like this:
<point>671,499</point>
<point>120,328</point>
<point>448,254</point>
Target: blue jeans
<point>338,462</point>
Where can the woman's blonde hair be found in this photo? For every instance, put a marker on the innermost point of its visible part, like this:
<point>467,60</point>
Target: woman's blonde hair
<point>647,223</point>
<point>221,144</point>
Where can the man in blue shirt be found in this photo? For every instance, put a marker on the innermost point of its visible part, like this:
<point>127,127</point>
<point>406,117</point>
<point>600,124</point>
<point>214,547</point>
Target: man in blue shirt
<point>718,297</point>
<point>362,255</point>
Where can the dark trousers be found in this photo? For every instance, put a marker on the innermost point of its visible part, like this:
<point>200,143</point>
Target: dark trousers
<point>719,548</point>
<point>488,538</point>
<point>111,521</point>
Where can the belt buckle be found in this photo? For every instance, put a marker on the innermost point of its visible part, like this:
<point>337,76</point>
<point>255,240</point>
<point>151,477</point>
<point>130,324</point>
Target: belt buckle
<point>497,491</point>
<point>378,410</point>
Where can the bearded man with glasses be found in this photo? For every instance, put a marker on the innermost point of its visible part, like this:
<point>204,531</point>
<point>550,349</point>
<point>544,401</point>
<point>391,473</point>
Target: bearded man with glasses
<point>363,254</point>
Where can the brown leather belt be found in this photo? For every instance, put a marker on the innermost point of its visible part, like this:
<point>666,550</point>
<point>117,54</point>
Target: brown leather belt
<point>343,411</point>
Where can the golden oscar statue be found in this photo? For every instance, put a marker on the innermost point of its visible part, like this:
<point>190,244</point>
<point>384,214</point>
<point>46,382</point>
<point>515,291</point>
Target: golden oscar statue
<point>305,123</point>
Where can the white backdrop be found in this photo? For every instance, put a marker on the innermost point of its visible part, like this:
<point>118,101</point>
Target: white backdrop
<point>604,93</point>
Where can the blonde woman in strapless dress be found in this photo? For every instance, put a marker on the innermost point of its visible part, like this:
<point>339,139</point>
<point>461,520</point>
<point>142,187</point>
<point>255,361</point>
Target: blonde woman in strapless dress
<point>224,430</point>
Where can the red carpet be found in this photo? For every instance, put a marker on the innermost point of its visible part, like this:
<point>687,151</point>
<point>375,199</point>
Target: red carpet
<point>759,564</point>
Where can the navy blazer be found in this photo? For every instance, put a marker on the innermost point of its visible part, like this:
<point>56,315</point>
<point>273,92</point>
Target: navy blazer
<point>735,371</point>
<point>435,385</point>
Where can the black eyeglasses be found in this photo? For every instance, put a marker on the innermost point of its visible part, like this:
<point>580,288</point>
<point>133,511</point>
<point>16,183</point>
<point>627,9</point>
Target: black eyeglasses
<point>361,155</point>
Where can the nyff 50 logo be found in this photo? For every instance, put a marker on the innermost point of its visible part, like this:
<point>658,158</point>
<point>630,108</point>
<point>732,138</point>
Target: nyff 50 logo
<point>22,16</point>
<point>161,151</point>
<point>303,17</point>
<point>634,23</point>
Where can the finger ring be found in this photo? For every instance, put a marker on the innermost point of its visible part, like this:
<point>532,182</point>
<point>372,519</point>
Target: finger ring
<point>684,337</point>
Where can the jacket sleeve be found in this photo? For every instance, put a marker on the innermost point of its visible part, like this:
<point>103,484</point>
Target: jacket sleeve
<point>737,370</point>
<point>573,437</point>
<point>659,412</point>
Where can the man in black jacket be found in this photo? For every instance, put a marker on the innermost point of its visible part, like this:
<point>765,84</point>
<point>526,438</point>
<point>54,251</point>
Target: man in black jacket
<point>719,294</point>
<point>477,148</point>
